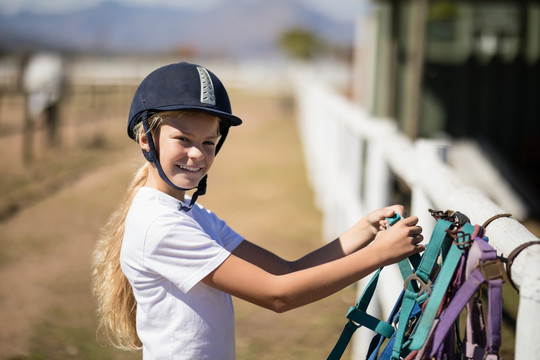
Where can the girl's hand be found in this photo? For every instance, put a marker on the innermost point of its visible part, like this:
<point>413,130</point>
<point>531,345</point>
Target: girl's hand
<point>377,219</point>
<point>363,232</point>
<point>400,241</point>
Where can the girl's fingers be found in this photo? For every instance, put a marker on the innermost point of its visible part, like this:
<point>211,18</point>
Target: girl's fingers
<point>420,248</point>
<point>416,230</point>
<point>411,221</point>
<point>417,239</point>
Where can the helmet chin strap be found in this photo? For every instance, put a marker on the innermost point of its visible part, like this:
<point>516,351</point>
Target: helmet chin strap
<point>152,157</point>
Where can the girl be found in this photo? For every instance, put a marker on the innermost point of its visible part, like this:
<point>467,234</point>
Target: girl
<point>166,268</point>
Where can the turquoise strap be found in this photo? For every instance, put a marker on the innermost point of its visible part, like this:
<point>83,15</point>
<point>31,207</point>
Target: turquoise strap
<point>350,327</point>
<point>409,300</point>
<point>371,322</point>
<point>343,341</point>
<point>439,290</point>
<point>405,265</point>
<point>433,249</point>
<point>358,315</point>
<point>438,237</point>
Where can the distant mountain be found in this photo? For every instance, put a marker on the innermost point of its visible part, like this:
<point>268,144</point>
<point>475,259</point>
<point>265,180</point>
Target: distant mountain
<point>237,28</point>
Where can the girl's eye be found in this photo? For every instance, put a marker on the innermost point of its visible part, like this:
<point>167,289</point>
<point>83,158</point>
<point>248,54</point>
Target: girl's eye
<point>209,143</point>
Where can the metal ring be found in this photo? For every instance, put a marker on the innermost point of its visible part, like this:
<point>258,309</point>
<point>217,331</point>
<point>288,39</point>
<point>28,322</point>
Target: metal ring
<point>493,218</point>
<point>424,287</point>
<point>511,258</point>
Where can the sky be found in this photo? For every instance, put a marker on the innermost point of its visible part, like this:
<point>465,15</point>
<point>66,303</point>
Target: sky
<point>340,9</point>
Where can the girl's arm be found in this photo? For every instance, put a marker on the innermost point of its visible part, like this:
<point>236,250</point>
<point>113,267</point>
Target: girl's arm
<point>354,239</point>
<point>280,293</point>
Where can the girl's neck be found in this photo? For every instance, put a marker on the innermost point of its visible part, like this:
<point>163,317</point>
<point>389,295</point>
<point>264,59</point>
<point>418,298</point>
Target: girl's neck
<point>154,181</point>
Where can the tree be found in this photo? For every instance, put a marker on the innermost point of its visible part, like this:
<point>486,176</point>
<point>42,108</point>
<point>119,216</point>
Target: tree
<point>301,44</point>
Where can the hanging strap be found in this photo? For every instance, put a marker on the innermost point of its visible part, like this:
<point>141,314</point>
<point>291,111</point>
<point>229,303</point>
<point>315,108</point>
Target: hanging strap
<point>378,340</point>
<point>492,269</point>
<point>357,315</point>
<point>489,269</point>
<point>446,274</point>
<point>411,297</point>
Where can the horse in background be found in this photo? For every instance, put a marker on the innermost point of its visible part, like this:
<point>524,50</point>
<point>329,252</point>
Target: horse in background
<point>43,85</point>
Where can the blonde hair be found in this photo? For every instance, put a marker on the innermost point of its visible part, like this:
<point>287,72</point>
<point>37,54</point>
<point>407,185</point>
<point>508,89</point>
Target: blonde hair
<point>117,307</point>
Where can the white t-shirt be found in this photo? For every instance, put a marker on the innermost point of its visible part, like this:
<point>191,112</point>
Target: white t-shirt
<point>165,255</point>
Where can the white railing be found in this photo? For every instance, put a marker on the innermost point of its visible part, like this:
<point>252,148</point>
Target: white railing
<point>351,158</point>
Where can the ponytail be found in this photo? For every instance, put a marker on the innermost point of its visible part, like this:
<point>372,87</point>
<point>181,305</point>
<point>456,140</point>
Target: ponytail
<point>117,307</point>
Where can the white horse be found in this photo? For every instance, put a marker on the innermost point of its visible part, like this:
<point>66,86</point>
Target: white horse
<point>43,85</point>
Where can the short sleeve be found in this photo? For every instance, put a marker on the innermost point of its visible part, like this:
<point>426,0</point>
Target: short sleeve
<point>178,249</point>
<point>229,238</point>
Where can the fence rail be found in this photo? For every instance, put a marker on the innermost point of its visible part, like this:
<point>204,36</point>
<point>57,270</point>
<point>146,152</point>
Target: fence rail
<point>351,159</point>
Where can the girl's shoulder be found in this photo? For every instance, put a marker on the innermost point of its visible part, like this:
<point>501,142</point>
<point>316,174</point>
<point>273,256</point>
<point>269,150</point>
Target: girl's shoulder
<point>157,201</point>
<point>150,202</point>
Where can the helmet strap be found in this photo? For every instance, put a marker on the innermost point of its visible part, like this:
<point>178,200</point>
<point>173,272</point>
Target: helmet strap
<point>223,135</point>
<point>201,190</point>
<point>152,156</point>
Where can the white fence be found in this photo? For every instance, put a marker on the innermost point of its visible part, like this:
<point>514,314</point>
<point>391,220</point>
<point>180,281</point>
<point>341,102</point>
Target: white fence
<point>351,159</point>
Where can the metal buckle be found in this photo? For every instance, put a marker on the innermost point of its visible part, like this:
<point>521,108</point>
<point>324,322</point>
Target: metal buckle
<point>492,269</point>
<point>423,287</point>
<point>410,326</point>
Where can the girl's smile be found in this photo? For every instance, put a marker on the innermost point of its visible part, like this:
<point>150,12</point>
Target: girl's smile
<point>189,169</point>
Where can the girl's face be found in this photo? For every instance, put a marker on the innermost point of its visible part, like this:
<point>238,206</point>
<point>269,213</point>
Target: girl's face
<point>186,146</point>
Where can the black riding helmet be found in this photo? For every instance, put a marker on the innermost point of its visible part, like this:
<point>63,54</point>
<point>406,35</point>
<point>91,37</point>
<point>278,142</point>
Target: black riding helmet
<point>181,86</point>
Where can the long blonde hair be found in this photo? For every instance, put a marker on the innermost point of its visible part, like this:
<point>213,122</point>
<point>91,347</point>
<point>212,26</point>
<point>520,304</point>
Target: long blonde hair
<point>117,307</point>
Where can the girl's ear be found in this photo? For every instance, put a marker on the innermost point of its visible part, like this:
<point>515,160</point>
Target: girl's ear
<point>143,142</point>
<point>145,147</point>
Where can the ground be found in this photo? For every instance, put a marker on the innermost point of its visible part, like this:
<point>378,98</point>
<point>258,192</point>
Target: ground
<point>53,211</point>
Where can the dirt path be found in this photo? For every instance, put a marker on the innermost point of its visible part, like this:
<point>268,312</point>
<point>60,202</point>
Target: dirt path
<point>48,243</point>
<point>257,184</point>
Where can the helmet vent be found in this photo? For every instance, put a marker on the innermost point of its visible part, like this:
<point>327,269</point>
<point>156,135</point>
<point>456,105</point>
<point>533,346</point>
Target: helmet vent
<point>208,95</point>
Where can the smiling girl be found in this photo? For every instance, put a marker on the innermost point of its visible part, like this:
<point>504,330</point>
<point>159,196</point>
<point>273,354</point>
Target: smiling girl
<point>187,144</point>
<point>165,268</point>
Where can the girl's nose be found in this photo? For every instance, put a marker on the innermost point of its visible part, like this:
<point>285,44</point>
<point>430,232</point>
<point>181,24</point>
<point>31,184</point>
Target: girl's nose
<point>195,153</point>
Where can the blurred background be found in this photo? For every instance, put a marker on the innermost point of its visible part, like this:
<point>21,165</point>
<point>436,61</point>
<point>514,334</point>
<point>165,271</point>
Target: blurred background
<point>465,74</point>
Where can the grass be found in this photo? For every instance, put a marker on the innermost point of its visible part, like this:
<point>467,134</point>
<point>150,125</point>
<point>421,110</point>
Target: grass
<point>20,189</point>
